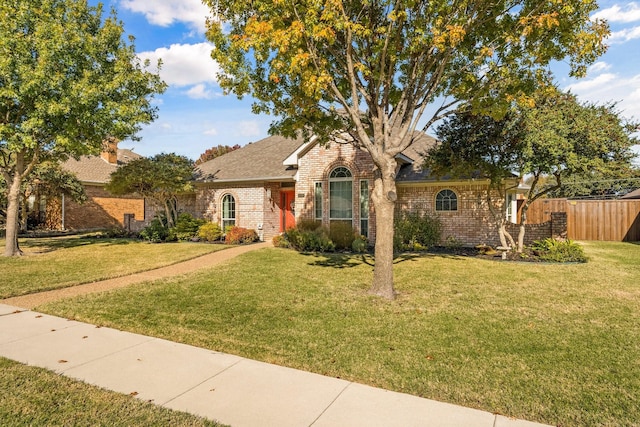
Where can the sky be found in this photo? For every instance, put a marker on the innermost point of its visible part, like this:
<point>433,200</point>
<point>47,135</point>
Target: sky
<point>194,115</point>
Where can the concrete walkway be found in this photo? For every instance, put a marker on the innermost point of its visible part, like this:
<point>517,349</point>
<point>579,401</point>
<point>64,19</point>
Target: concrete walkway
<point>230,389</point>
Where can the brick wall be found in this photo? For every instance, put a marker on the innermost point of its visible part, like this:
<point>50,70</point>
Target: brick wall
<point>471,224</point>
<point>316,166</point>
<point>556,228</point>
<point>257,206</point>
<point>101,210</point>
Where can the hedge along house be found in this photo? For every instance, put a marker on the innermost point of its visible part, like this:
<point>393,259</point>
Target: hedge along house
<point>272,184</point>
<point>101,210</point>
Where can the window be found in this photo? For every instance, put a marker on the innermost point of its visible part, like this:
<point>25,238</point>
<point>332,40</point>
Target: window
<point>364,208</point>
<point>228,211</point>
<point>340,194</point>
<point>446,200</point>
<point>317,201</point>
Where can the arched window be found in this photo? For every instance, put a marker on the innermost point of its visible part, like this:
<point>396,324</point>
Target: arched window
<point>340,194</point>
<point>446,200</point>
<point>228,211</point>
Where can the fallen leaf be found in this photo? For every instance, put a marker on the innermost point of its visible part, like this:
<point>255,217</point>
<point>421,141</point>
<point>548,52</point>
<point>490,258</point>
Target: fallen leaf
<point>133,393</point>
<point>62,361</point>
<point>85,337</point>
<point>38,316</point>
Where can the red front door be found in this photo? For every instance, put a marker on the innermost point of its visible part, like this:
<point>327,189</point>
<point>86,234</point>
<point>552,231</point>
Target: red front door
<point>287,210</point>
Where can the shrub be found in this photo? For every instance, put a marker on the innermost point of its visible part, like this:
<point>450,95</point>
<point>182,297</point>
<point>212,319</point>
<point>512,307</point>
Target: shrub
<point>156,231</point>
<point>414,231</point>
<point>342,234</point>
<point>308,225</point>
<point>186,227</point>
<point>360,244</point>
<point>240,235</point>
<point>210,232</point>
<point>309,240</point>
<point>558,250</point>
<point>280,241</point>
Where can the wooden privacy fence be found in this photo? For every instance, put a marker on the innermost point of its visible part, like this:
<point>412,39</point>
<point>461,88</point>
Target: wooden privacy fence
<point>614,220</point>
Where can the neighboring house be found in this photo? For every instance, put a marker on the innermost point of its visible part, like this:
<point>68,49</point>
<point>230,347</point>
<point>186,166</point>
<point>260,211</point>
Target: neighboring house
<point>101,210</point>
<point>635,194</point>
<point>271,184</point>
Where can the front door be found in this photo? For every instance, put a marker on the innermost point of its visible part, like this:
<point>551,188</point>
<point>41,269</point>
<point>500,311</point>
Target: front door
<point>287,210</point>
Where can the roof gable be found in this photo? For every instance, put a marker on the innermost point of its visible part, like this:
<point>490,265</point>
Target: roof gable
<point>258,161</point>
<point>95,169</point>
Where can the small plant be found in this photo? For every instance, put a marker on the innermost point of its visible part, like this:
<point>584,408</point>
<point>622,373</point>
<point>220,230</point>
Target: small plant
<point>554,250</point>
<point>280,241</point>
<point>156,231</point>
<point>210,232</point>
<point>360,244</point>
<point>308,225</point>
<point>342,234</point>
<point>452,243</point>
<point>309,240</point>
<point>186,227</point>
<point>240,235</point>
<point>414,231</point>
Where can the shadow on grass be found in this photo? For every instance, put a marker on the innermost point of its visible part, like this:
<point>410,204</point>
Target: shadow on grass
<point>50,244</point>
<point>349,260</point>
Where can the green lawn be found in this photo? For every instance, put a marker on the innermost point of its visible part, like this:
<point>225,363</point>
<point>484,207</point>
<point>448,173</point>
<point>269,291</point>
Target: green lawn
<point>36,397</point>
<point>558,344</point>
<point>51,263</point>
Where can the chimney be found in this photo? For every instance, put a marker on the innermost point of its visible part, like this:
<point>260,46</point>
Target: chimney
<point>110,150</point>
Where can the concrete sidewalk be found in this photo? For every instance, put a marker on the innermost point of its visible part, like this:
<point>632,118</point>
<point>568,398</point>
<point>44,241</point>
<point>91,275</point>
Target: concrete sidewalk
<point>229,389</point>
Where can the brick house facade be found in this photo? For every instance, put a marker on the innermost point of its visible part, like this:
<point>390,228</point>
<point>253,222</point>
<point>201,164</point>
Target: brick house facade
<point>101,210</point>
<point>272,184</point>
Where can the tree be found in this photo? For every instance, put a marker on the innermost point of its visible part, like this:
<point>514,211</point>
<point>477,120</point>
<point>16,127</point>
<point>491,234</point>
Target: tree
<point>371,68</point>
<point>214,152</point>
<point>551,141</point>
<point>68,80</point>
<point>161,178</point>
<point>479,144</point>
<point>50,180</point>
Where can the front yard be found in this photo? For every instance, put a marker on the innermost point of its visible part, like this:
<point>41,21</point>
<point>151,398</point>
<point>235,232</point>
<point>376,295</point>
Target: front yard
<point>52,263</point>
<point>558,344</point>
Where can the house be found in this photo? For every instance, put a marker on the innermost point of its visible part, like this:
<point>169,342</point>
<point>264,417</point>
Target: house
<point>101,210</point>
<point>635,194</point>
<point>272,184</point>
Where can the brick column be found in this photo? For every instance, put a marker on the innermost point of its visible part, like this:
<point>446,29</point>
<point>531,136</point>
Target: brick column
<point>559,225</point>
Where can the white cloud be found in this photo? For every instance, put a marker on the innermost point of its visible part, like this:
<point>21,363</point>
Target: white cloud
<point>200,91</point>
<point>248,129</point>
<point>598,67</point>
<point>166,12</point>
<point>211,132</point>
<point>625,35</point>
<point>609,87</point>
<point>184,64</point>
<point>615,13</point>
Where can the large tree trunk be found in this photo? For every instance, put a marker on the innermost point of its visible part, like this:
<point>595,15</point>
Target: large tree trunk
<point>384,197</point>
<point>11,247</point>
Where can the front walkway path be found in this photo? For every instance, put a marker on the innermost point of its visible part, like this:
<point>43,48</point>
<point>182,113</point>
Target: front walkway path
<point>205,261</point>
<point>230,389</point>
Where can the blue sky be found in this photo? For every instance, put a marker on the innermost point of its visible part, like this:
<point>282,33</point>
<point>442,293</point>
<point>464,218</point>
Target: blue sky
<point>194,115</point>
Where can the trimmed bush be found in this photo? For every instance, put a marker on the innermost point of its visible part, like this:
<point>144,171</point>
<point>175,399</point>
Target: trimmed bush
<point>414,231</point>
<point>280,241</point>
<point>210,232</point>
<point>240,235</point>
<point>187,227</point>
<point>342,234</point>
<point>309,240</point>
<point>360,245</point>
<point>156,232</point>
<point>553,250</point>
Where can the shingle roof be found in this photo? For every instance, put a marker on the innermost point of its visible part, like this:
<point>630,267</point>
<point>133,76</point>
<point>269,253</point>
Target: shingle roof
<point>261,160</point>
<point>94,169</point>
<point>635,194</point>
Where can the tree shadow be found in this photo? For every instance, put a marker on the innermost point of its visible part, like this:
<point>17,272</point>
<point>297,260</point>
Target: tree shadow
<point>51,244</point>
<point>338,260</point>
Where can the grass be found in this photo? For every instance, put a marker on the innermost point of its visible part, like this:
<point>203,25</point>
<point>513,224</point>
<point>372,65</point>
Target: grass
<point>558,344</point>
<point>35,396</point>
<point>52,263</point>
